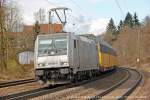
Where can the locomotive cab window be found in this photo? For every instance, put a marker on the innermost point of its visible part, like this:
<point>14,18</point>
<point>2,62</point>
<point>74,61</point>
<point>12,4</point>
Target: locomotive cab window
<point>52,46</point>
<point>75,44</point>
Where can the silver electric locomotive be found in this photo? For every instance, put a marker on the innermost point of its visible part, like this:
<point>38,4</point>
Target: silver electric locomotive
<point>65,57</point>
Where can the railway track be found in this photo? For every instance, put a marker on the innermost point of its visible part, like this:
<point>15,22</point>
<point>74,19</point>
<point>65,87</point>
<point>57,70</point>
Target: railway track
<point>122,89</point>
<point>88,89</point>
<point>32,93</point>
<point>101,88</point>
<point>19,82</point>
<point>84,91</point>
<point>47,90</point>
<point>133,86</point>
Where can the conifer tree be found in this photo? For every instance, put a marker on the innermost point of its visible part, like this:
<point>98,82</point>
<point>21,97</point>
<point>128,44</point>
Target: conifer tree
<point>120,26</point>
<point>128,20</point>
<point>136,20</point>
<point>36,29</point>
<point>111,29</point>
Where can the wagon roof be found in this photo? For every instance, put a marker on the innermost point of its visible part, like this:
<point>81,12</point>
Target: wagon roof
<point>103,42</point>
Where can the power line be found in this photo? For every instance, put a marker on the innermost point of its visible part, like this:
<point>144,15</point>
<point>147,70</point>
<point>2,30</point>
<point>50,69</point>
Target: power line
<point>116,1</point>
<point>79,7</point>
<point>125,4</point>
<point>51,3</point>
<point>76,4</point>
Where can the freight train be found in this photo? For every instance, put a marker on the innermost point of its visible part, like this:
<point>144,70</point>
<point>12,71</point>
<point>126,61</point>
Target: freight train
<point>66,57</point>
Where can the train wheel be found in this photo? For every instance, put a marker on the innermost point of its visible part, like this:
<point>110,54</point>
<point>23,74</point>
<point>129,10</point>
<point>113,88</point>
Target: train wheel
<point>74,78</point>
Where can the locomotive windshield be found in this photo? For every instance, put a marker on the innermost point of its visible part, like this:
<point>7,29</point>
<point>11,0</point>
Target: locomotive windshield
<point>52,46</point>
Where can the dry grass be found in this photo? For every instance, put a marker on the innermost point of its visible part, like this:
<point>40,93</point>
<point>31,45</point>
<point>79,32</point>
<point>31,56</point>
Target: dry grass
<point>16,71</point>
<point>129,47</point>
<point>132,44</point>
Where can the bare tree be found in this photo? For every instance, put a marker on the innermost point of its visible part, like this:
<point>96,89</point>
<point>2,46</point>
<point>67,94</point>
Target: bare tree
<point>3,37</point>
<point>147,20</point>
<point>40,16</point>
<point>9,19</point>
<point>13,20</point>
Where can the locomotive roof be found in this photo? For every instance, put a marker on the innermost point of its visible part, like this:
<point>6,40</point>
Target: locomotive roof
<point>85,37</point>
<point>98,39</point>
<point>53,34</point>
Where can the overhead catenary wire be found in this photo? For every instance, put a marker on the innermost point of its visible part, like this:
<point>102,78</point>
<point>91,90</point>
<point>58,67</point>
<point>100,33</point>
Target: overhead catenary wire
<point>125,5</point>
<point>51,3</point>
<point>117,3</point>
<point>76,4</point>
<point>81,9</point>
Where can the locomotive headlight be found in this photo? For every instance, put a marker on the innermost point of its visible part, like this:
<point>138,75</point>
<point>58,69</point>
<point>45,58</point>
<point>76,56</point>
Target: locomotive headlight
<point>64,63</point>
<point>41,64</point>
<point>63,60</point>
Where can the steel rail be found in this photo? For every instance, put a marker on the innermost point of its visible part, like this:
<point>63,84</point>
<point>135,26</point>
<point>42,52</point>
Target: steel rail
<point>132,88</point>
<point>32,93</point>
<point>18,82</point>
<point>108,90</point>
<point>46,90</point>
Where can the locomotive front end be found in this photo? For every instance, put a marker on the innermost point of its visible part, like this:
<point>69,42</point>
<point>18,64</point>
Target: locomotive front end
<point>51,58</point>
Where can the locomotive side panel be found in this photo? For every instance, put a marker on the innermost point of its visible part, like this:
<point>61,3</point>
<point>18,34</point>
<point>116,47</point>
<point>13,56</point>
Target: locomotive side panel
<point>88,55</point>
